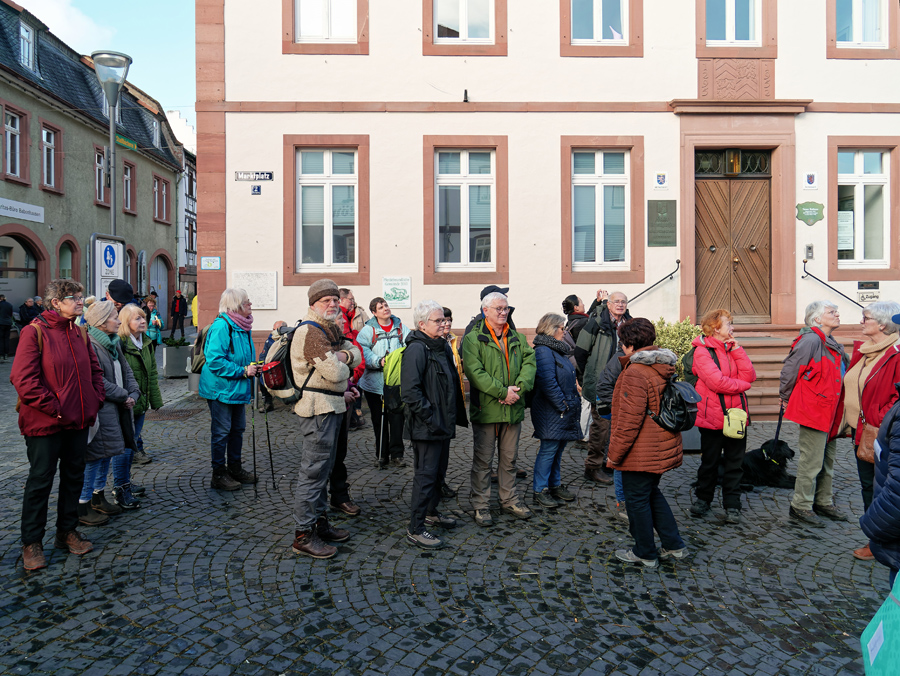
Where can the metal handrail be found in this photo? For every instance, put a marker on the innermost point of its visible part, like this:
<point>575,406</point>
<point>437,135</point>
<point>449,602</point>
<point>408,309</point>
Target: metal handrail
<point>671,275</point>
<point>807,273</point>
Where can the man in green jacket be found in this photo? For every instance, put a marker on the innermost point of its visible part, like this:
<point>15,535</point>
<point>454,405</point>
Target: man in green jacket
<point>500,367</point>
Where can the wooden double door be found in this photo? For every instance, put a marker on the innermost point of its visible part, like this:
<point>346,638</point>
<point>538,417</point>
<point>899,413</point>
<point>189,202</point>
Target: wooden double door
<point>733,248</point>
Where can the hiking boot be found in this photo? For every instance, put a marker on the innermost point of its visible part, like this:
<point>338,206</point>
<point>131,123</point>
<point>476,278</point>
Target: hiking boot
<point>830,512</point>
<point>221,480</point>
<point>806,516</point>
<point>241,475</point>
<point>621,512</point>
<point>562,493</point>
<point>398,462</point>
<point>74,541</point>
<point>439,520</point>
<point>597,476</point>
<point>446,492</point>
<point>483,517</point>
<point>141,458</point>
<point>88,517</point>
<point>99,503</point>
<point>308,543</point>
<point>518,510</point>
<point>348,507</point>
<point>124,497</point>
<point>700,507</point>
<point>521,474</point>
<point>138,491</point>
<point>544,499</point>
<point>329,533</point>
<point>674,553</point>
<point>733,516</point>
<point>425,540</point>
<point>33,556</point>
<point>863,554</point>
<point>629,556</point>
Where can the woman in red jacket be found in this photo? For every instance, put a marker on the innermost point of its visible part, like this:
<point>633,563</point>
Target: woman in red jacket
<point>60,386</point>
<point>724,373</point>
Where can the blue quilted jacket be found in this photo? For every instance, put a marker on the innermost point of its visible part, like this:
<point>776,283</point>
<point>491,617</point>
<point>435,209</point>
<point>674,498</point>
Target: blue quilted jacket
<point>556,406</point>
<point>881,522</point>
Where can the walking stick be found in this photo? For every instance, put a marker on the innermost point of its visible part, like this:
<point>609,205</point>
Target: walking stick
<point>253,433</point>
<point>269,442</point>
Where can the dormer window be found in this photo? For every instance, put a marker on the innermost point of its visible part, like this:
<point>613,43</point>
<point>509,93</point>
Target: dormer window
<point>26,46</point>
<point>118,110</point>
<point>155,131</point>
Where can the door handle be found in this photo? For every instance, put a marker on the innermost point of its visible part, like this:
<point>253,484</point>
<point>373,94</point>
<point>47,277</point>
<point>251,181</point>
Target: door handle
<point>752,247</point>
<point>736,261</point>
<point>712,249</point>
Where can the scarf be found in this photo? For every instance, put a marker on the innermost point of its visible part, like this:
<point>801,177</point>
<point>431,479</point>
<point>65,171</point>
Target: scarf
<point>554,344</point>
<point>138,341</point>
<point>245,323</point>
<point>855,380</point>
<point>110,342</point>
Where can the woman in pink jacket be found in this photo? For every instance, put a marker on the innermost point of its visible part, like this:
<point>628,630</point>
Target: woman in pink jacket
<point>724,373</point>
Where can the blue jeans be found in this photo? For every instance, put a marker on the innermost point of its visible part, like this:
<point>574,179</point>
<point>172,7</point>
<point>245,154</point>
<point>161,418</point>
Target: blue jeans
<point>95,473</point>
<point>121,467</point>
<point>648,511</point>
<point>617,484</point>
<point>227,425</point>
<point>547,464</point>
<point>138,428</point>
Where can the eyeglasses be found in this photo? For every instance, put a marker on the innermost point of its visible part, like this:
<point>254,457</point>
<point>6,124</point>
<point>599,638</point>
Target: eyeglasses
<point>500,310</point>
<point>867,318</point>
<point>77,299</point>
<point>447,320</point>
<point>618,302</point>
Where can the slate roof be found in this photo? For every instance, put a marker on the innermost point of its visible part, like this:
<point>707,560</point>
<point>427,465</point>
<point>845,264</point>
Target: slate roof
<point>62,73</point>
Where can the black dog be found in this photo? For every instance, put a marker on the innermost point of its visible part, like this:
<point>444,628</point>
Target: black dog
<point>767,465</point>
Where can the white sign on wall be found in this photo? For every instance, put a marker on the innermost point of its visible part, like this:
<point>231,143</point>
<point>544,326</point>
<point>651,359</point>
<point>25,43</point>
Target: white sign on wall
<point>109,263</point>
<point>21,211</point>
<point>397,291</point>
<point>260,287</point>
<point>845,231</point>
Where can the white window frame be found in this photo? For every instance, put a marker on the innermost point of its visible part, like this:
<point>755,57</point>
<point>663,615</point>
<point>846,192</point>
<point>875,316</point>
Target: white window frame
<point>599,180</point>
<point>160,199</point>
<point>859,180</point>
<point>327,180</point>
<point>48,155</point>
<point>26,46</point>
<point>464,26</point>
<point>464,180</point>
<point>66,246</point>
<point>598,25</point>
<point>730,40</point>
<point>12,144</point>
<point>857,42</point>
<point>325,34</point>
<point>155,130</point>
<point>99,176</point>
<point>127,179</point>
<point>118,110</point>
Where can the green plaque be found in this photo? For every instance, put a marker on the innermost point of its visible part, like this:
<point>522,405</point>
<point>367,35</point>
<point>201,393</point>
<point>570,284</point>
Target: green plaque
<point>661,230</point>
<point>810,212</point>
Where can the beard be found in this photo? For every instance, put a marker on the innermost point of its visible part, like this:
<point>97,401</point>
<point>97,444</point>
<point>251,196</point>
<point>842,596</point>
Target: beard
<point>332,314</point>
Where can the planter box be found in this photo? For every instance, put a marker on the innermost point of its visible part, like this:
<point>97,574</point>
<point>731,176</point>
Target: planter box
<point>175,361</point>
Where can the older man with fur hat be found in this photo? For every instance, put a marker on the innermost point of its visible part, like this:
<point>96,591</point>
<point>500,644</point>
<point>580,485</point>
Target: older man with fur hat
<point>322,360</point>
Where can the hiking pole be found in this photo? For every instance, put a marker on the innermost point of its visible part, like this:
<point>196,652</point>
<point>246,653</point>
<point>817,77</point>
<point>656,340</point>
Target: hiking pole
<point>253,434</point>
<point>269,442</point>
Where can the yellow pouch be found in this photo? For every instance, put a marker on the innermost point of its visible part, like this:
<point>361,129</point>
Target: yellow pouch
<point>735,424</point>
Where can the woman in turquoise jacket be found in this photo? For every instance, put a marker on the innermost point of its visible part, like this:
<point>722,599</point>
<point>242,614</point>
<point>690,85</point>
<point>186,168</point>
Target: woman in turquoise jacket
<point>226,382</point>
<point>155,324</point>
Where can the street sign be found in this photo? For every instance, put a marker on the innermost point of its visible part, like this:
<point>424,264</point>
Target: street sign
<point>210,262</point>
<point>107,262</point>
<point>126,142</point>
<point>254,176</point>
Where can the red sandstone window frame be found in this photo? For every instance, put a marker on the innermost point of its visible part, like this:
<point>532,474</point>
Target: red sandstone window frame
<point>24,177</point>
<point>634,48</point>
<point>132,191</point>
<point>100,150</point>
<point>165,200</point>
<point>768,31</point>
<point>892,25</point>
<point>58,187</point>
<point>289,44</point>
<point>498,48</point>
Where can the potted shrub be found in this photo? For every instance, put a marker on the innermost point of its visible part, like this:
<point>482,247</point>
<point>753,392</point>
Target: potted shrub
<point>176,357</point>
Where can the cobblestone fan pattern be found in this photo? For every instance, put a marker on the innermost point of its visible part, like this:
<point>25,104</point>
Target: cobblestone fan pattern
<point>203,582</point>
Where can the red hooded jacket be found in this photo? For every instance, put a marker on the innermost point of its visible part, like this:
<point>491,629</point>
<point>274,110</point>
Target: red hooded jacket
<point>61,386</point>
<point>730,379</point>
<point>879,393</point>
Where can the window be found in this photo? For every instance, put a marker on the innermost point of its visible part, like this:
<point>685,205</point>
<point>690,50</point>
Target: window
<point>162,192</point>
<point>863,201</point>
<point>190,240</point>
<point>154,128</point>
<point>118,109</point>
<point>100,194</point>
<point>13,145</point>
<point>325,26</point>
<point>464,27</point>
<point>65,260</point>
<point>51,157</point>
<point>601,28</point>
<point>600,209</point>
<point>862,29</point>
<point>26,46</point>
<point>737,29</point>
<point>129,188</point>
<point>465,209</point>
<point>327,209</point>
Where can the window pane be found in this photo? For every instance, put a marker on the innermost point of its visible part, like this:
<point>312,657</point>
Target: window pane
<point>613,223</point>
<point>871,20</point>
<point>479,163</point>
<point>312,162</point>
<point>873,237</point>
<point>744,20</point>
<point>312,18</point>
<point>342,163</point>
<point>448,163</point>
<point>343,19</point>
<point>582,19</point>
<point>479,224</point>
<point>872,163</point>
<point>715,19</point>
<point>447,16</point>
<point>312,222</point>
<point>846,202</point>
<point>448,224</point>
<point>343,220</point>
<point>613,163</point>
<point>584,163</point>
<point>844,12</point>
<point>845,162</point>
<point>584,218</point>
<point>479,19</point>
<point>612,20</point>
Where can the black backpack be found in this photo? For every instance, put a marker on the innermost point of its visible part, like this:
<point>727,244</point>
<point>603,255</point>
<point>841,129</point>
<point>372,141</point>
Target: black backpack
<point>677,406</point>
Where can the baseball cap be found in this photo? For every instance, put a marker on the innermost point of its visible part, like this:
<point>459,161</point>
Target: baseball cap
<point>493,289</point>
<point>120,291</point>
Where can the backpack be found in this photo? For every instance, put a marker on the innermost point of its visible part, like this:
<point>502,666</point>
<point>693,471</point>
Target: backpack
<point>687,362</point>
<point>677,406</point>
<point>198,359</point>
<point>278,374</point>
<point>392,367</point>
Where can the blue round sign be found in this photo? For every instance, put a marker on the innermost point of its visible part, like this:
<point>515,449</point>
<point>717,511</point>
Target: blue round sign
<point>109,256</point>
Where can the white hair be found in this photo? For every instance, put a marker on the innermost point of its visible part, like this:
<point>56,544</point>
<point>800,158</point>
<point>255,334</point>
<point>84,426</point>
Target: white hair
<point>423,311</point>
<point>816,309</point>
<point>232,299</point>
<point>491,297</point>
<point>883,311</point>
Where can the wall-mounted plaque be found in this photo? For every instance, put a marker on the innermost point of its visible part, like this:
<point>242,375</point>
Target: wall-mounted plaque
<point>661,223</point>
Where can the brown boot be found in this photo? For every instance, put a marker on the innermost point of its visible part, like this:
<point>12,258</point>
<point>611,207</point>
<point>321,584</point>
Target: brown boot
<point>308,543</point>
<point>597,476</point>
<point>88,517</point>
<point>73,541</point>
<point>241,475</point>
<point>221,480</point>
<point>99,503</point>
<point>33,556</point>
<point>329,533</point>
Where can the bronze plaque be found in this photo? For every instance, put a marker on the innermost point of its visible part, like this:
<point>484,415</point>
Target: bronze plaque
<point>661,217</point>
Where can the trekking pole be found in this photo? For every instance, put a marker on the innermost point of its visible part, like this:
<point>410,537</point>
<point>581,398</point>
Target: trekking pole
<point>253,434</point>
<point>269,442</point>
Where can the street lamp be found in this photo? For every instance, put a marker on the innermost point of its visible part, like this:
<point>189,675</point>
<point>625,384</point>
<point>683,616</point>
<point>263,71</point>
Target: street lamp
<point>111,69</point>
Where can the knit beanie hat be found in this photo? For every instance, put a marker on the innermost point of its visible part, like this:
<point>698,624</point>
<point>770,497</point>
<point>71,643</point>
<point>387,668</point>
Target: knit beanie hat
<point>322,288</point>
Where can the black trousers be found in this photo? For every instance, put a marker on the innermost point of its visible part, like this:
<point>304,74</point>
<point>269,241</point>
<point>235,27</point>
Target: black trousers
<point>338,486</point>
<point>866,471</point>
<point>4,340</point>
<point>177,323</point>
<point>716,448</point>
<point>394,423</point>
<point>66,449</point>
<point>430,460</point>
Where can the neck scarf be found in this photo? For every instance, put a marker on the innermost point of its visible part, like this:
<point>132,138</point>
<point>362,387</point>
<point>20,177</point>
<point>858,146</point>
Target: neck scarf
<point>554,344</point>
<point>504,347</point>
<point>138,340</point>
<point>245,323</point>
<point>110,342</point>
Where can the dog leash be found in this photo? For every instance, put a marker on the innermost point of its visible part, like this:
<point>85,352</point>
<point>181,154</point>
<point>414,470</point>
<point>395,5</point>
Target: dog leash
<point>777,434</point>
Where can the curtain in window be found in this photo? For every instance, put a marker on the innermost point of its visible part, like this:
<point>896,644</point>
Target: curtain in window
<point>613,223</point>
<point>343,219</point>
<point>873,234</point>
<point>449,224</point>
<point>312,224</point>
<point>871,10</point>
<point>584,217</point>
<point>479,224</point>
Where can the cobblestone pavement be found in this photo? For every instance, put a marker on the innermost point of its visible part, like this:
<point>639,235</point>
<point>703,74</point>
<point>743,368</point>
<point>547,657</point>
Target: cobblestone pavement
<point>203,582</point>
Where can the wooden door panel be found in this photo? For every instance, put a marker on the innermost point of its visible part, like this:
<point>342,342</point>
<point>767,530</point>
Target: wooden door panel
<point>712,215</point>
<point>750,245</point>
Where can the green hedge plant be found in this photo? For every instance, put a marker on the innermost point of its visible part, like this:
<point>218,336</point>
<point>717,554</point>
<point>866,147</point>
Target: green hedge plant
<point>676,336</point>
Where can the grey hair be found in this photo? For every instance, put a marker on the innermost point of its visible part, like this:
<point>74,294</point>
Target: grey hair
<point>423,311</point>
<point>882,312</point>
<point>549,323</point>
<point>815,310</point>
<point>232,299</point>
<point>491,297</point>
<point>100,312</point>
<point>59,289</point>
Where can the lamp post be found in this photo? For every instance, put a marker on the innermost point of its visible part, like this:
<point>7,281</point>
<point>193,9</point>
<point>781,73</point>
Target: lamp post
<point>111,69</point>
